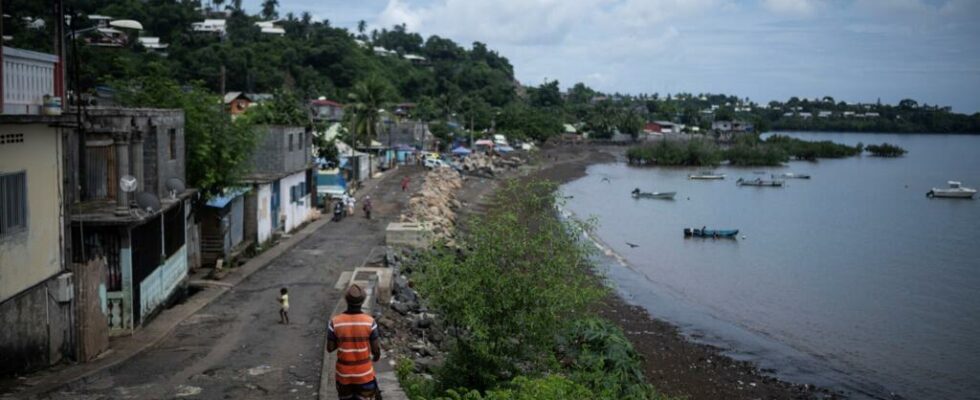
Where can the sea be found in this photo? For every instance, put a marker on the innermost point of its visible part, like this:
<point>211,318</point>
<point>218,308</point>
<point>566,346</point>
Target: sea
<point>853,280</point>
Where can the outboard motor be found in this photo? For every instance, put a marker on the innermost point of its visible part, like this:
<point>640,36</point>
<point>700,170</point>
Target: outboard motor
<point>688,232</point>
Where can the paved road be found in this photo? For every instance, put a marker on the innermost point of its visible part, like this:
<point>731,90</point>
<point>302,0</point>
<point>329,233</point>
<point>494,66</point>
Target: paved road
<point>234,348</point>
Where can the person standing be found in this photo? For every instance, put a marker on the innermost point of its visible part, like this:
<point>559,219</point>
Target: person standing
<point>367,207</point>
<point>284,306</point>
<point>405,182</point>
<point>354,335</point>
<point>345,201</point>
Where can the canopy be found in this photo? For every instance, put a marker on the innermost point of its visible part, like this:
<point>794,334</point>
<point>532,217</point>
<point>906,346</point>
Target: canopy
<point>461,151</point>
<point>483,142</point>
<point>126,23</point>
<point>505,149</point>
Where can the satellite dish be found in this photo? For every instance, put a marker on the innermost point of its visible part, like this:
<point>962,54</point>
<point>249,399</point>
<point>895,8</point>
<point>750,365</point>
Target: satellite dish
<point>127,24</point>
<point>174,186</point>
<point>127,183</point>
<point>147,202</point>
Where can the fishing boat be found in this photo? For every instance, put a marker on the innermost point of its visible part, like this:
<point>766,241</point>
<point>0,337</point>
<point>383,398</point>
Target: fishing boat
<point>705,175</point>
<point>759,182</point>
<point>637,194</point>
<point>955,191</point>
<point>790,175</point>
<point>710,233</point>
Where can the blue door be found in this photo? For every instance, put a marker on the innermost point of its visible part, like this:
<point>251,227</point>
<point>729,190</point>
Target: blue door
<point>275,205</point>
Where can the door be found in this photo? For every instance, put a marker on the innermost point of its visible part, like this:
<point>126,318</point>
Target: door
<point>275,205</point>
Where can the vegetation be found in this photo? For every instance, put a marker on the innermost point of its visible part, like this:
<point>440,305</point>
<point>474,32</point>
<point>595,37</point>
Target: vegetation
<point>218,148</point>
<point>806,150</point>
<point>517,301</point>
<point>676,153</point>
<point>886,150</point>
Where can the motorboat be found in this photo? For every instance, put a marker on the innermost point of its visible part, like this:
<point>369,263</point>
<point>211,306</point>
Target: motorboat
<point>955,191</point>
<point>759,182</point>
<point>790,175</point>
<point>711,233</point>
<point>637,194</point>
<point>706,176</point>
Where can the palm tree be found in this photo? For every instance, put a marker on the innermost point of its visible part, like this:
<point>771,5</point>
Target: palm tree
<point>269,9</point>
<point>367,97</point>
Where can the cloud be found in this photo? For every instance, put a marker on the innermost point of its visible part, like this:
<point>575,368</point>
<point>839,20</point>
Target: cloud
<point>793,7</point>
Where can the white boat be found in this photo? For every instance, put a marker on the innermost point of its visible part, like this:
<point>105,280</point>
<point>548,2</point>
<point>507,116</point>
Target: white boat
<point>706,176</point>
<point>637,194</point>
<point>955,191</point>
<point>790,175</point>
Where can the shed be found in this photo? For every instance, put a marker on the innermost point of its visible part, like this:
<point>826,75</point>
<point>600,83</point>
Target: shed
<point>223,226</point>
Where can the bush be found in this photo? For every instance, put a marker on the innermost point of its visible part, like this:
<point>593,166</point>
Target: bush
<point>744,155</point>
<point>805,150</point>
<point>522,276</point>
<point>886,150</point>
<point>603,360</point>
<point>673,153</point>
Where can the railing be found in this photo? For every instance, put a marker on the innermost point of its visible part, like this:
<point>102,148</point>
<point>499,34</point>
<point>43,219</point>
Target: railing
<point>27,77</point>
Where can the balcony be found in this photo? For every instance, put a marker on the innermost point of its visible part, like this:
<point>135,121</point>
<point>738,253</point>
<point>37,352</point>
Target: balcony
<point>27,77</point>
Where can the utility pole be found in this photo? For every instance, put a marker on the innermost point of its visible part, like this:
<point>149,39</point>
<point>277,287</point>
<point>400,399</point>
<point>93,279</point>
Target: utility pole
<point>223,80</point>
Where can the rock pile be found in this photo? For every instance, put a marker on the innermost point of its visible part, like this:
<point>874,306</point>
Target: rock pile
<point>408,329</point>
<point>483,165</point>
<point>435,203</point>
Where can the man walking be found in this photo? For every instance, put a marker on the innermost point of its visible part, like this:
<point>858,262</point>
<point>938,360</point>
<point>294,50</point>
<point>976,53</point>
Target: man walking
<point>354,335</point>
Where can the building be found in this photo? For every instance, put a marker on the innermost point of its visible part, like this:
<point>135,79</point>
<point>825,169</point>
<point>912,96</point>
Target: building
<point>381,51</point>
<point>270,28</point>
<point>222,221</point>
<point>661,127</point>
<point>132,208</point>
<point>153,45</point>
<point>732,126</point>
<point>327,110</point>
<point>825,114</point>
<point>210,26</point>
<point>416,59</point>
<point>237,102</point>
<point>281,183</point>
<point>37,304</point>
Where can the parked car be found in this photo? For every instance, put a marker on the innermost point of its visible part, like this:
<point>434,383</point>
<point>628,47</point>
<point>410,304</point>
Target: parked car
<point>434,163</point>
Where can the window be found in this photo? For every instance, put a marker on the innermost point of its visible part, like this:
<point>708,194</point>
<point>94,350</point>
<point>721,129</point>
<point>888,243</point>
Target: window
<point>173,143</point>
<point>301,143</point>
<point>290,142</point>
<point>13,203</point>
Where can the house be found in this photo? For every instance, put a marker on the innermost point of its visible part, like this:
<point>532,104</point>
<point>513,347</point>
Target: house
<point>416,59</point>
<point>731,126</point>
<point>152,44</point>
<point>36,298</point>
<point>848,114</point>
<point>132,208</point>
<point>281,183</point>
<point>661,127</point>
<point>381,51</point>
<point>825,114</point>
<point>237,102</point>
<point>210,26</point>
<point>326,110</point>
<point>871,115</point>
<point>222,221</point>
<point>270,28</point>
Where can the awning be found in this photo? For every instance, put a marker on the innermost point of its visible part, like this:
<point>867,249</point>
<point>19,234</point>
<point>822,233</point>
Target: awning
<point>229,196</point>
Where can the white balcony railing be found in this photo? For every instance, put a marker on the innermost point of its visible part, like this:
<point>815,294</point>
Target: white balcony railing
<point>27,77</point>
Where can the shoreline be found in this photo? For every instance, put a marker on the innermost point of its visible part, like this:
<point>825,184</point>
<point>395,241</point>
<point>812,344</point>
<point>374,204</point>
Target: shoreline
<point>674,364</point>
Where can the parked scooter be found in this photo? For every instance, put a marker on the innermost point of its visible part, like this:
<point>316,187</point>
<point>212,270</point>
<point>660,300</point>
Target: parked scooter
<point>338,211</point>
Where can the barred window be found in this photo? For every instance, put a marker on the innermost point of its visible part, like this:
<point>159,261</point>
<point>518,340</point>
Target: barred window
<point>13,203</point>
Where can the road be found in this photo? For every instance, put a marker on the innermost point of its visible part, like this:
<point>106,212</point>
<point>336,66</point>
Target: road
<point>235,348</point>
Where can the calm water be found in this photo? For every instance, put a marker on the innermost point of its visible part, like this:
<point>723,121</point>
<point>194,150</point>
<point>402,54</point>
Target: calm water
<point>853,279</point>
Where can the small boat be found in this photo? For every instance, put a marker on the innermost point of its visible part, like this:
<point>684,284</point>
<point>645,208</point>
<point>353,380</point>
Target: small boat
<point>955,191</point>
<point>759,182</point>
<point>710,233</point>
<point>790,175</point>
<point>705,175</point>
<point>637,194</point>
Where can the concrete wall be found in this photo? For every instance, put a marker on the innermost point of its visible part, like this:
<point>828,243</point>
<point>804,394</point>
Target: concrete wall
<point>296,212</point>
<point>35,254</point>
<point>264,213</point>
<point>272,156</point>
<point>155,126</point>
<point>36,329</point>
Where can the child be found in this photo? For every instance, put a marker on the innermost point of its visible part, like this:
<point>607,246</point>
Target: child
<point>283,306</point>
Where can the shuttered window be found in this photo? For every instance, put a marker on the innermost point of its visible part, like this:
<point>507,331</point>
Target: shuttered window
<point>13,203</point>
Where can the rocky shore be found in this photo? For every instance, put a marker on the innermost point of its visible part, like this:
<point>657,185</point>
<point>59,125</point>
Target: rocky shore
<point>674,363</point>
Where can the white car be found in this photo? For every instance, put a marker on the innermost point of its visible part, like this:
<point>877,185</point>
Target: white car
<point>434,163</point>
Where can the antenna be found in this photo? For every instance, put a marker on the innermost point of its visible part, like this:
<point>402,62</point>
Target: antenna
<point>175,186</point>
<point>127,183</point>
<point>147,201</point>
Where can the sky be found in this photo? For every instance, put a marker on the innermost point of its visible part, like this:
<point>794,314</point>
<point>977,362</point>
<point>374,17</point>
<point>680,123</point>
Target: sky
<point>852,50</point>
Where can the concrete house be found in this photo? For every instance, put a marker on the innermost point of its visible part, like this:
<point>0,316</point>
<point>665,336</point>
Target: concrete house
<point>132,208</point>
<point>326,110</point>
<point>37,301</point>
<point>281,183</point>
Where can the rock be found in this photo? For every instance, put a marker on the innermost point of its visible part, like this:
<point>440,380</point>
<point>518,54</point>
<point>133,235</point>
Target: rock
<point>436,336</point>
<point>423,321</point>
<point>386,323</point>
<point>425,365</point>
<point>401,308</point>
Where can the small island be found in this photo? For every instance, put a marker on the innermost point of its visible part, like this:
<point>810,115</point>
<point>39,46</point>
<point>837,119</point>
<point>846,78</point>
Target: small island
<point>746,151</point>
<point>886,150</point>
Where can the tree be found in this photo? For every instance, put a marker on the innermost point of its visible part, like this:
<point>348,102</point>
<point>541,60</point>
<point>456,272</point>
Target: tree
<point>269,9</point>
<point>546,95</point>
<point>219,149</point>
<point>367,97</point>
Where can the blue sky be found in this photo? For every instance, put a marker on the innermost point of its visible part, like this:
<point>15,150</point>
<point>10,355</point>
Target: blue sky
<point>853,50</point>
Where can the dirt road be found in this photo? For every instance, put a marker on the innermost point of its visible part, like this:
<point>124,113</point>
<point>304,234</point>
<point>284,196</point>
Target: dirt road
<point>235,346</point>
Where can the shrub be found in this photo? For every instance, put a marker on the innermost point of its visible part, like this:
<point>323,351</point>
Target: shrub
<point>603,360</point>
<point>886,150</point>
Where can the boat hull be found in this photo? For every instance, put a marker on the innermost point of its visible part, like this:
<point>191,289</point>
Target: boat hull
<point>947,194</point>
<point>711,233</point>
<point>655,195</point>
<point>706,177</point>
<point>759,183</point>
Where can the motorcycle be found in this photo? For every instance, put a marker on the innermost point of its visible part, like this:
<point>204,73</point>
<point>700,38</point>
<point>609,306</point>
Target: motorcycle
<point>338,211</point>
